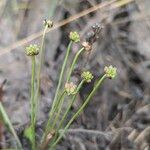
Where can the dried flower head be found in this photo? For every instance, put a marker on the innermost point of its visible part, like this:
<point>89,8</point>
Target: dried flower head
<point>70,88</point>
<point>87,76</point>
<point>32,50</point>
<point>87,46</point>
<point>93,35</point>
<point>74,36</point>
<point>110,71</point>
<point>48,23</point>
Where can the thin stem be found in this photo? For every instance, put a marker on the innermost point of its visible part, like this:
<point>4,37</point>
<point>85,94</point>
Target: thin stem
<point>61,76</point>
<point>59,102</point>
<point>68,109</point>
<point>70,104</point>
<point>10,126</point>
<point>33,104</point>
<point>67,80</point>
<point>80,109</point>
<point>74,97</point>
<point>42,52</point>
<point>60,79</point>
<point>58,88</point>
<point>73,63</point>
<point>59,110</point>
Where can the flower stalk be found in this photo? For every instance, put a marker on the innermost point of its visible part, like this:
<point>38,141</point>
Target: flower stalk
<point>80,109</point>
<point>48,125</point>
<point>47,24</point>
<point>32,51</point>
<point>33,104</point>
<point>73,63</point>
<point>70,104</point>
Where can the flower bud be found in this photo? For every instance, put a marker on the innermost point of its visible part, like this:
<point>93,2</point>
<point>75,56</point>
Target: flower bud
<point>110,71</point>
<point>32,50</point>
<point>74,36</point>
<point>87,76</point>
<point>70,88</point>
<point>48,23</point>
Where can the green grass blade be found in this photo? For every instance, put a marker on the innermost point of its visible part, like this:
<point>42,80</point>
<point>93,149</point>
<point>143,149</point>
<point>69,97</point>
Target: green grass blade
<point>9,125</point>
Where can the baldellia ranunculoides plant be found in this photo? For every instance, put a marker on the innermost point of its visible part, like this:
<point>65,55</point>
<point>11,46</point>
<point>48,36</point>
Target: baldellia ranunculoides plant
<point>57,124</point>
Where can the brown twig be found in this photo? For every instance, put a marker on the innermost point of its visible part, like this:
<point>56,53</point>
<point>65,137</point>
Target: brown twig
<point>28,39</point>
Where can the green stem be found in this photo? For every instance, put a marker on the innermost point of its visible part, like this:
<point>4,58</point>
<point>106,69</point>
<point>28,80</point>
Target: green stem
<point>33,104</point>
<point>55,111</point>
<point>10,126</point>
<point>58,113</point>
<point>80,109</point>
<point>42,52</point>
<point>73,63</point>
<point>61,76</point>
<point>70,104</point>
<point>59,103</point>
<point>60,79</point>
<point>58,88</point>
<point>68,109</point>
<point>67,80</point>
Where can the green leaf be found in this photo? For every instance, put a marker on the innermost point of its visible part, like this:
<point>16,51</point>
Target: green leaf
<point>29,134</point>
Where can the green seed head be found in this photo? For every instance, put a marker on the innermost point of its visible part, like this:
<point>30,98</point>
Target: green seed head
<point>87,76</point>
<point>74,36</point>
<point>32,50</point>
<point>110,72</point>
<point>70,88</point>
<point>48,23</point>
